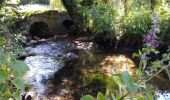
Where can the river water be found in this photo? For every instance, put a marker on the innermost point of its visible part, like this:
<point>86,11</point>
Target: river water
<point>46,60</point>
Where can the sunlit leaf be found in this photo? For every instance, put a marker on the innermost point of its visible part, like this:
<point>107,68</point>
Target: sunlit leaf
<point>100,96</point>
<point>135,55</point>
<point>156,64</point>
<point>87,97</point>
<point>150,96</point>
<point>140,98</point>
<point>18,82</point>
<point>19,66</point>
<point>128,81</point>
<point>165,56</point>
<point>3,75</point>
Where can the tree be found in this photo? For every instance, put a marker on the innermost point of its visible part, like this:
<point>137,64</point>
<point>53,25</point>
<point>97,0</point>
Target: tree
<point>73,11</point>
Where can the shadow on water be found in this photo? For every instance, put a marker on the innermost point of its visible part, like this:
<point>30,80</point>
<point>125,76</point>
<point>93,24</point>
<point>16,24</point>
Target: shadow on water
<point>72,79</point>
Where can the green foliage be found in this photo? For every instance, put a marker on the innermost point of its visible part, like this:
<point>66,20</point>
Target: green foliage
<point>57,4</point>
<point>140,4</point>
<point>164,19</point>
<point>137,22</point>
<point>99,19</point>
<point>128,81</point>
<point>11,72</point>
<point>133,27</point>
<point>8,19</point>
<point>87,97</point>
<point>100,96</point>
<point>132,86</point>
<point>158,65</point>
<point>10,31</point>
<point>3,75</point>
<point>19,83</point>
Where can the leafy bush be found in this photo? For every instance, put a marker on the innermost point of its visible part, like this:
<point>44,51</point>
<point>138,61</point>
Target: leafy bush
<point>99,19</point>
<point>164,19</point>
<point>126,86</point>
<point>11,71</point>
<point>133,27</point>
<point>147,71</point>
<point>129,87</point>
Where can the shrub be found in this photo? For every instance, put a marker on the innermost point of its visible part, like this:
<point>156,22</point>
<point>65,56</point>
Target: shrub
<point>145,73</point>
<point>164,19</point>
<point>99,19</point>
<point>11,71</point>
<point>133,27</point>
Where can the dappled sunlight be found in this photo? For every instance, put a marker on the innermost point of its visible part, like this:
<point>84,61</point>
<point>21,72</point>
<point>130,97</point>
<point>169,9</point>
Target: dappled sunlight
<point>116,64</point>
<point>84,49</point>
<point>82,44</point>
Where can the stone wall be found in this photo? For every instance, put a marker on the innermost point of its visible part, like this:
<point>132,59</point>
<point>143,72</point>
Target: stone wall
<point>53,19</point>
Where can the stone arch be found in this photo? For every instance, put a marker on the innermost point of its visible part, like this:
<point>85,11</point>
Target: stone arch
<point>40,29</point>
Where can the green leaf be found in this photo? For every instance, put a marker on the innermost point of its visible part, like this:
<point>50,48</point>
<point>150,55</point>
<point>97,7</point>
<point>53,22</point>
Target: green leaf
<point>3,58</point>
<point>150,96</point>
<point>87,97</point>
<point>18,82</point>
<point>156,64</point>
<point>128,81</point>
<point>140,53</point>
<point>19,66</point>
<point>165,56</point>
<point>100,96</point>
<point>16,95</point>
<point>140,98</point>
<point>135,55</point>
<point>3,75</point>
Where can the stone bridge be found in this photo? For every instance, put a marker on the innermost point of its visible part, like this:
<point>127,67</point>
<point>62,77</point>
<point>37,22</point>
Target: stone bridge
<point>47,23</point>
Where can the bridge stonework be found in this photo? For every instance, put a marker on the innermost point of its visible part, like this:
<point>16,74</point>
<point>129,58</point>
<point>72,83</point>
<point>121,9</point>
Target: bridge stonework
<point>53,19</point>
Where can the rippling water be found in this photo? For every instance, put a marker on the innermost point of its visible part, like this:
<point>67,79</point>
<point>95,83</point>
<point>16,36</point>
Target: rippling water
<point>163,95</point>
<point>44,64</point>
<point>46,61</point>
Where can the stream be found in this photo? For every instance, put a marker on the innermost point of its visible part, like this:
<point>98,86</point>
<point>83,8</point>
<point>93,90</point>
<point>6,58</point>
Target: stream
<point>46,60</point>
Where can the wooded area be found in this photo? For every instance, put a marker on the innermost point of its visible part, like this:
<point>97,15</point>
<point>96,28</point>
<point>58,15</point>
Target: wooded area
<point>84,50</point>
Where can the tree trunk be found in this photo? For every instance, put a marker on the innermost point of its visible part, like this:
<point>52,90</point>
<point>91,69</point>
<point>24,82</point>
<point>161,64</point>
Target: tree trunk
<point>71,7</point>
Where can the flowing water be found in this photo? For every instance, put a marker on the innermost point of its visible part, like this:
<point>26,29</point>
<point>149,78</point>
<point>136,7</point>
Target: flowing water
<point>45,61</point>
<point>43,64</point>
